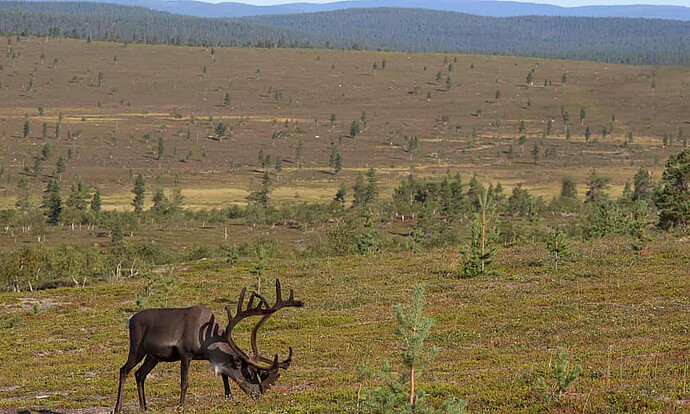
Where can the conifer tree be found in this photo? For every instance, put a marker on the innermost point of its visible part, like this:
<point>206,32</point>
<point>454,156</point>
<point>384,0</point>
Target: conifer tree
<point>401,393</point>
<point>341,195</point>
<point>159,152</point>
<point>335,161</point>
<point>96,202</point>
<point>359,191</point>
<point>161,204</point>
<point>643,185</point>
<point>52,202</point>
<point>557,243</point>
<point>177,201</point>
<point>262,196</point>
<point>372,189</point>
<point>139,191</point>
<point>568,188</point>
<point>478,256</point>
<point>259,267</point>
<point>61,165</point>
<point>673,196</point>
<point>355,129</point>
<point>535,153</point>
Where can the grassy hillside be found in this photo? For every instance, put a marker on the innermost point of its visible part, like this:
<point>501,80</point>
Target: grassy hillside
<point>622,316</point>
<point>152,92</point>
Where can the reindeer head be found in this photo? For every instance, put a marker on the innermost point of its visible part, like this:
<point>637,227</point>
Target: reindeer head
<point>254,374</point>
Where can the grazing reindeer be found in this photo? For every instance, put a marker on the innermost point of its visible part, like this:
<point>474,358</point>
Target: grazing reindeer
<point>170,335</point>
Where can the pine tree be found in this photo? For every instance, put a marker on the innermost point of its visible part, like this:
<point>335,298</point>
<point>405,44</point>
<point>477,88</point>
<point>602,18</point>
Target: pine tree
<point>562,376</point>
<point>45,152</point>
<point>161,204</point>
<point>371,194</point>
<point>96,202</point>
<point>226,100</point>
<point>568,188</point>
<point>335,161</point>
<point>535,153</point>
<point>159,153</point>
<point>259,267</point>
<point>177,201</point>
<point>400,393</point>
<point>76,198</point>
<point>341,195</point>
<point>52,202</point>
<point>588,134</point>
<point>355,129</point>
<point>643,185</point>
<point>262,196</point>
<point>27,128</point>
<point>477,257</point>
<point>597,186</point>
<point>61,165</point>
<point>139,191</point>
<point>582,115</point>
<point>673,196</point>
<point>558,245</point>
<point>359,191</point>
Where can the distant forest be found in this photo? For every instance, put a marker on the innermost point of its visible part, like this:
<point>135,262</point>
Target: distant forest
<point>617,40</point>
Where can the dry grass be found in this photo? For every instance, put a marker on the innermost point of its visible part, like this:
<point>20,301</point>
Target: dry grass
<point>157,90</point>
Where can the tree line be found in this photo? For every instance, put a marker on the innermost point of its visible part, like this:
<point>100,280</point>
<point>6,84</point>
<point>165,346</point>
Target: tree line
<point>616,40</point>
<point>438,212</point>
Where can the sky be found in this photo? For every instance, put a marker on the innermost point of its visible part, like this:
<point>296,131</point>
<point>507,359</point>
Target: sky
<point>567,3</point>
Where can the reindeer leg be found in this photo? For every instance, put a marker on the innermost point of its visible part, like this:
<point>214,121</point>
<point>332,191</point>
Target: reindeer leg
<point>140,375</point>
<point>184,374</point>
<point>226,385</point>
<point>132,360</point>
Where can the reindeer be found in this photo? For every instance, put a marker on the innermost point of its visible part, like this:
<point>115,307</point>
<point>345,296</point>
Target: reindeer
<point>194,333</point>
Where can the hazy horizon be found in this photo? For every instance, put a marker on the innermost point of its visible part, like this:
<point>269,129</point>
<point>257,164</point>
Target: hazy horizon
<point>564,3</point>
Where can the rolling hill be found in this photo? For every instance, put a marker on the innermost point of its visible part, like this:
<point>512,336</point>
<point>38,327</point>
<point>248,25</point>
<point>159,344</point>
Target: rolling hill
<point>620,40</point>
<point>478,7</point>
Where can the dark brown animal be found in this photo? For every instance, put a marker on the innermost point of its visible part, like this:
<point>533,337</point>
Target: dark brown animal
<point>187,334</point>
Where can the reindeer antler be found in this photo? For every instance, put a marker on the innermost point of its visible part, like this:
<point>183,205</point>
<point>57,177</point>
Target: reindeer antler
<point>263,309</point>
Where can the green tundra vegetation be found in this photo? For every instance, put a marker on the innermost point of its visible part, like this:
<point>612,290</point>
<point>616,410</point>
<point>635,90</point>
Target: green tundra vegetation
<point>555,278</point>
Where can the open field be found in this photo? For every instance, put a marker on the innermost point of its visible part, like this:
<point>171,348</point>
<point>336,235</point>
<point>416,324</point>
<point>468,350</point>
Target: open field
<point>177,94</point>
<point>622,316</point>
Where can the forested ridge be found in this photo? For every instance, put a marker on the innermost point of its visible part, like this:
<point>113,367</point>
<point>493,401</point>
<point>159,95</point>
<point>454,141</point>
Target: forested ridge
<point>619,40</point>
